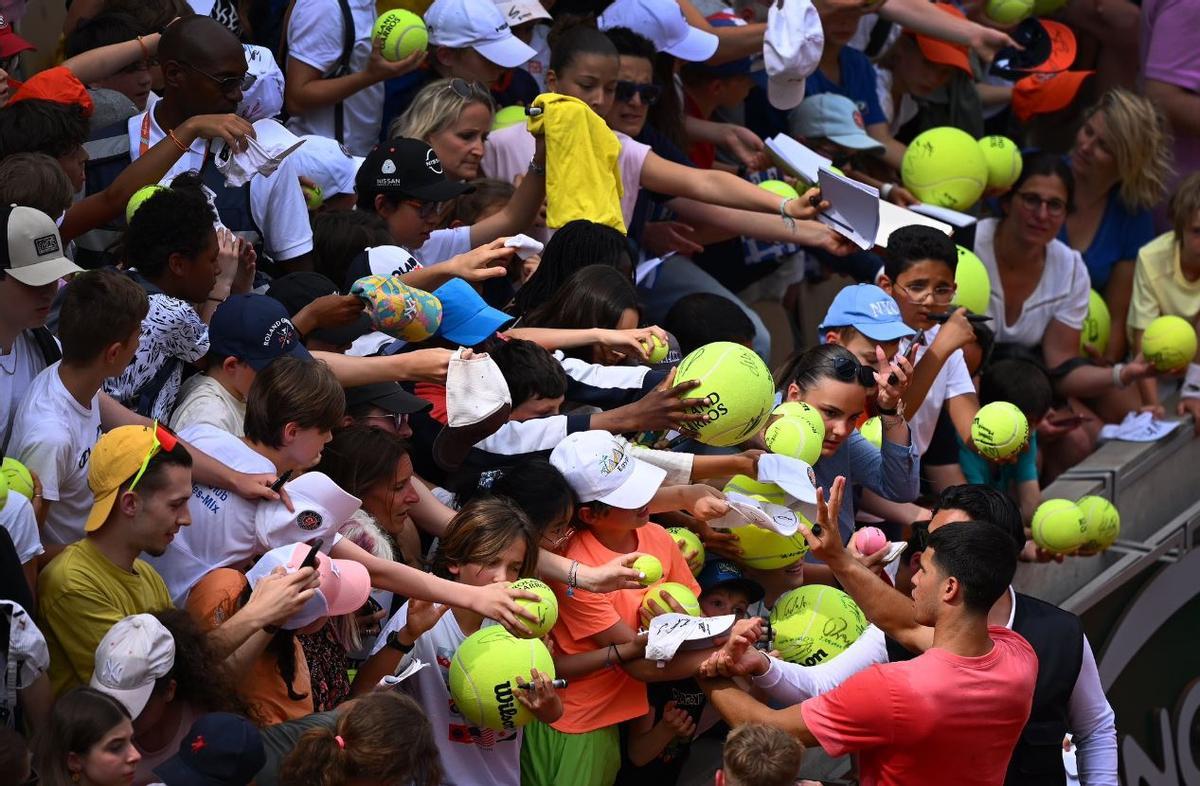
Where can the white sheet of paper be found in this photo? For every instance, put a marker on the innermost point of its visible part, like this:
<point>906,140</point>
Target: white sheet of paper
<point>648,266</point>
<point>798,160</point>
<point>953,217</point>
<point>414,665</point>
<point>853,208</point>
<point>671,632</point>
<point>892,217</point>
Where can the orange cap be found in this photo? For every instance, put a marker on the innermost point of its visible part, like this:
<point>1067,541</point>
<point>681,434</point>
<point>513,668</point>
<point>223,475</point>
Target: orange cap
<point>1039,94</point>
<point>937,50</point>
<point>58,85</point>
<point>1062,47</point>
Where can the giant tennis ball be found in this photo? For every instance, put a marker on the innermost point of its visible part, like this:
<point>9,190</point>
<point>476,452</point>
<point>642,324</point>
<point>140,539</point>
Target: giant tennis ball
<point>973,288</point>
<point>649,565</point>
<point>765,550</point>
<point>1008,12</point>
<point>546,609</point>
<point>508,116</point>
<point>1101,522</point>
<point>872,431</point>
<point>1169,343</point>
<point>1097,325</point>
<point>17,476</point>
<point>738,386</point>
<point>686,598</point>
<point>749,487</point>
<point>483,676</point>
<point>400,33</point>
<point>999,430</point>
<point>944,166</point>
<point>779,187</point>
<point>795,437</point>
<point>140,196</point>
<point>1058,526</point>
<point>1003,159</point>
<point>687,541</point>
<point>814,623</point>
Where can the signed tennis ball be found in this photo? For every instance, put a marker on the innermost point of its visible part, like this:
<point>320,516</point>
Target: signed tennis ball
<point>483,676</point>
<point>1003,159</point>
<point>815,623</point>
<point>1058,526</point>
<point>1097,325</point>
<point>400,34</point>
<point>649,565</point>
<point>1101,522</point>
<point>973,288</point>
<point>738,386</point>
<point>1169,343</point>
<point>546,609</point>
<point>999,430</point>
<point>944,166</point>
<point>687,541</point>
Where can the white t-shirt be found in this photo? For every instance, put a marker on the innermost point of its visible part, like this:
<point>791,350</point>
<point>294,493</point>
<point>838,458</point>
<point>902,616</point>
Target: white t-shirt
<point>952,380</point>
<point>314,37</point>
<point>17,517</point>
<point>1060,295</point>
<point>203,400</point>
<point>443,244</point>
<point>896,117</point>
<point>53,436</point>
<point>18,367</point>
<point>276,201</point>
<point>469,755</point>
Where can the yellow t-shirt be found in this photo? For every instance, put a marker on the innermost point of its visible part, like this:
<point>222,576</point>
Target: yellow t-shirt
<point>81,594</point>
<point>1159,286</point>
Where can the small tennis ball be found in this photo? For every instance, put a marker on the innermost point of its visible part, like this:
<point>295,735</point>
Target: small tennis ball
<point>795,437</point>
<point>658,350</point>
<point>1097,325</point>
<point>944,166</point>
<point>687,541</point>
<point>686,598</point>
<point>815,623</point>
<point>1058,526</point>
<point>546,609</point>
<point>1008,12</point>
<point>508,116</point>
<point>140,196</point>
<point>779,187</point>
<point>401,33</point>
<point>650,566</point>
<point>870,540</point>
<point>17,476</point>
<point>1101,522</point>
<point>872,431</point>
<point>738,386</point>
<point>973,288</point>
<point>483,676</point>
<point>1003,159</point>
<point>1169,343</point>
<point>798,409</point>
<point>999,430</point>
<point>314,197</point>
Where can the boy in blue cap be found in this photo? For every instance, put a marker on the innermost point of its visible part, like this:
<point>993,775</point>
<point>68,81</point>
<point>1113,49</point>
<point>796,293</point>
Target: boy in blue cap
<point>867,321</point>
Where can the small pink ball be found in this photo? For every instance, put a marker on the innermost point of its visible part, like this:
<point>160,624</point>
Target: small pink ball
<point>870,540</point>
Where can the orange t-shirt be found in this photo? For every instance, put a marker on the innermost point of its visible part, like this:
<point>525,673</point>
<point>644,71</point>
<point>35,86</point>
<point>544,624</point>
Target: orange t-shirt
<point>213,600</point>
<point>608,696</point>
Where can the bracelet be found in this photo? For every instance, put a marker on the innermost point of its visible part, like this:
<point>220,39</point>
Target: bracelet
<point>572,578</point>
<point>885,190</point>
<point>1116,372</point>
<point>393,641</point>
<point>535,169</point>
<point>145,51</point>
<point>182,147</point>
<point>787,220</point>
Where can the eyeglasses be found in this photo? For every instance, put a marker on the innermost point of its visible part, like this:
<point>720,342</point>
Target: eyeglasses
<point>918,292</point>
<point>850,370</point>
<point>400,420</point>
<point>427,210</point>
<point>466,90</point>
<point>555,539</point>
<point>649,93</point>
<point>229,83</point>
<point>1057,208</point>
<point>141,65</point>
<point>163,440</point>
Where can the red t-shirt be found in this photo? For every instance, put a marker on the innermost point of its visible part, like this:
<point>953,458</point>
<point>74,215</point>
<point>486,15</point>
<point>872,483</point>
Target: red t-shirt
<point>936,719</point>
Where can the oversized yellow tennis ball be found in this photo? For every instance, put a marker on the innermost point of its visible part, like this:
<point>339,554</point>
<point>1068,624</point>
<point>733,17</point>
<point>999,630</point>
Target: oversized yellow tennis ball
<point>400,33</point>
<point>658,350</point>
<point>766,550</point>
<point>1097,325</point>
<point>738,386</point>
<point>779,187</point>
<point>944,166</point>
<point>686,598</point>
<point>483,676</point>
<point>1058,526</point>
<point>687,541</point>
<point>795,437</point>
<point>650,566</point>
<point>17,477</point>
<point>749,487</point>
<point>1003,159</point>
<point>508,116</point>
<point>1101,522</point>
<point>546,609</point>
<point>872,431</point>
<point>999,430</point>
<point>1169,343</point>
<point>973,288</point>
<point>1008,12</point>
<point>140,196</point>
<point>814,623</point>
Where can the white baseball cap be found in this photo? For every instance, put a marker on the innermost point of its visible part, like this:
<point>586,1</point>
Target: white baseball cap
<point>477,24</point>
<point>518,12</point>
<point>264,98</point>
<point>602,468</point>
<point>33,253</point>
<point>320,508</point>
<point>327,163</point>
<point>27,650</point>
<point>661,21</point>
<point>792,48</point>
<point>345,584</point>
<point>134,654</point>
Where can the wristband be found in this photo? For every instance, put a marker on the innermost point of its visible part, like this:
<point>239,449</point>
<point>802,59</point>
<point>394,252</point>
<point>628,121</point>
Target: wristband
<point>885,190</point>
<point>1116,372</point>
<point>1191,382</point>
<point>788,220</point>
<point>393,641</point>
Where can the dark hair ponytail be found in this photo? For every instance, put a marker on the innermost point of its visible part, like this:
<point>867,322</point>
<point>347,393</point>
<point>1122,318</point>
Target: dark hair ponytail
<point>576,34</point>
<point>806,369</point>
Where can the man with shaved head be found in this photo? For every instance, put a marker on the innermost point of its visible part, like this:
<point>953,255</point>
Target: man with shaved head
<point>204,72</point>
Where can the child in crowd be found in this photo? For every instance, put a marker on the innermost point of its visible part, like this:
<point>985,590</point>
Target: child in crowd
<point>704,317</point>
<point>759,755</point>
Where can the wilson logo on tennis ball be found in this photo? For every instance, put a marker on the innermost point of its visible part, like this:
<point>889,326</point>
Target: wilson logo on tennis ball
<point>506,705</point>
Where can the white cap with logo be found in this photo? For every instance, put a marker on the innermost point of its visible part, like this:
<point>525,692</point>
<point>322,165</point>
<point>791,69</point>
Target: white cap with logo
<point>132,656</point>
<point>477,24</point>
<point>33,253</point>
<point>792,47</point>
<point>661,21</point>
<point>602,468</point>
<point>518,12</point>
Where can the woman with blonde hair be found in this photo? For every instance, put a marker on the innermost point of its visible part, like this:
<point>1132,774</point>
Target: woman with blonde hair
<point>1120,160</point>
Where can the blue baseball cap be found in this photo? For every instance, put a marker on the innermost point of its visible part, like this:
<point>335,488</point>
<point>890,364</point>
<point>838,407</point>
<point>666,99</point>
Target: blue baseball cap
<point>723,573</point>
<point>254,329</point>
<point>869,310</point>
<point>467,319</point>
<point>220,749</point>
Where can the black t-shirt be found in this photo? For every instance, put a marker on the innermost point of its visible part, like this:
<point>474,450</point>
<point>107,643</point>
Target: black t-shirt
<point>665,768</point>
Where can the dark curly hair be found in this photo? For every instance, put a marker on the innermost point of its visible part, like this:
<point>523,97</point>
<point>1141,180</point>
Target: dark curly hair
<point>37,126</point>
<point>201,679</point>
<point>171,221</point>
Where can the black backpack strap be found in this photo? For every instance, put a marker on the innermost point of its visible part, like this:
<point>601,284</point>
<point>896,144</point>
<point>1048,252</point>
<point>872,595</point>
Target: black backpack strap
<point>343,67</point>
<point>878,37</point>
<point>47,345</point>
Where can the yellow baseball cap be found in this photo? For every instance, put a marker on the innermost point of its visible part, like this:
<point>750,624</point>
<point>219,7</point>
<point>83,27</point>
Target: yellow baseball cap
<point>117,456</point>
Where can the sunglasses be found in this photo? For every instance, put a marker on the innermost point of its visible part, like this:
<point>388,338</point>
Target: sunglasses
<point>163,440</point>
<point>849,370</point>
<point>427,210</point>
<point>398,419</point>
<point>226,84</point>
<point>465,90</point>
<point>649,93</point>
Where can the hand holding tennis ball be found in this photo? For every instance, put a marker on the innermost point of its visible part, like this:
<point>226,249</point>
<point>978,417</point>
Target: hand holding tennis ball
<point>650,567</point>
<point>999,430</point>
<point>400,33</point>
<point>1169,342</point>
